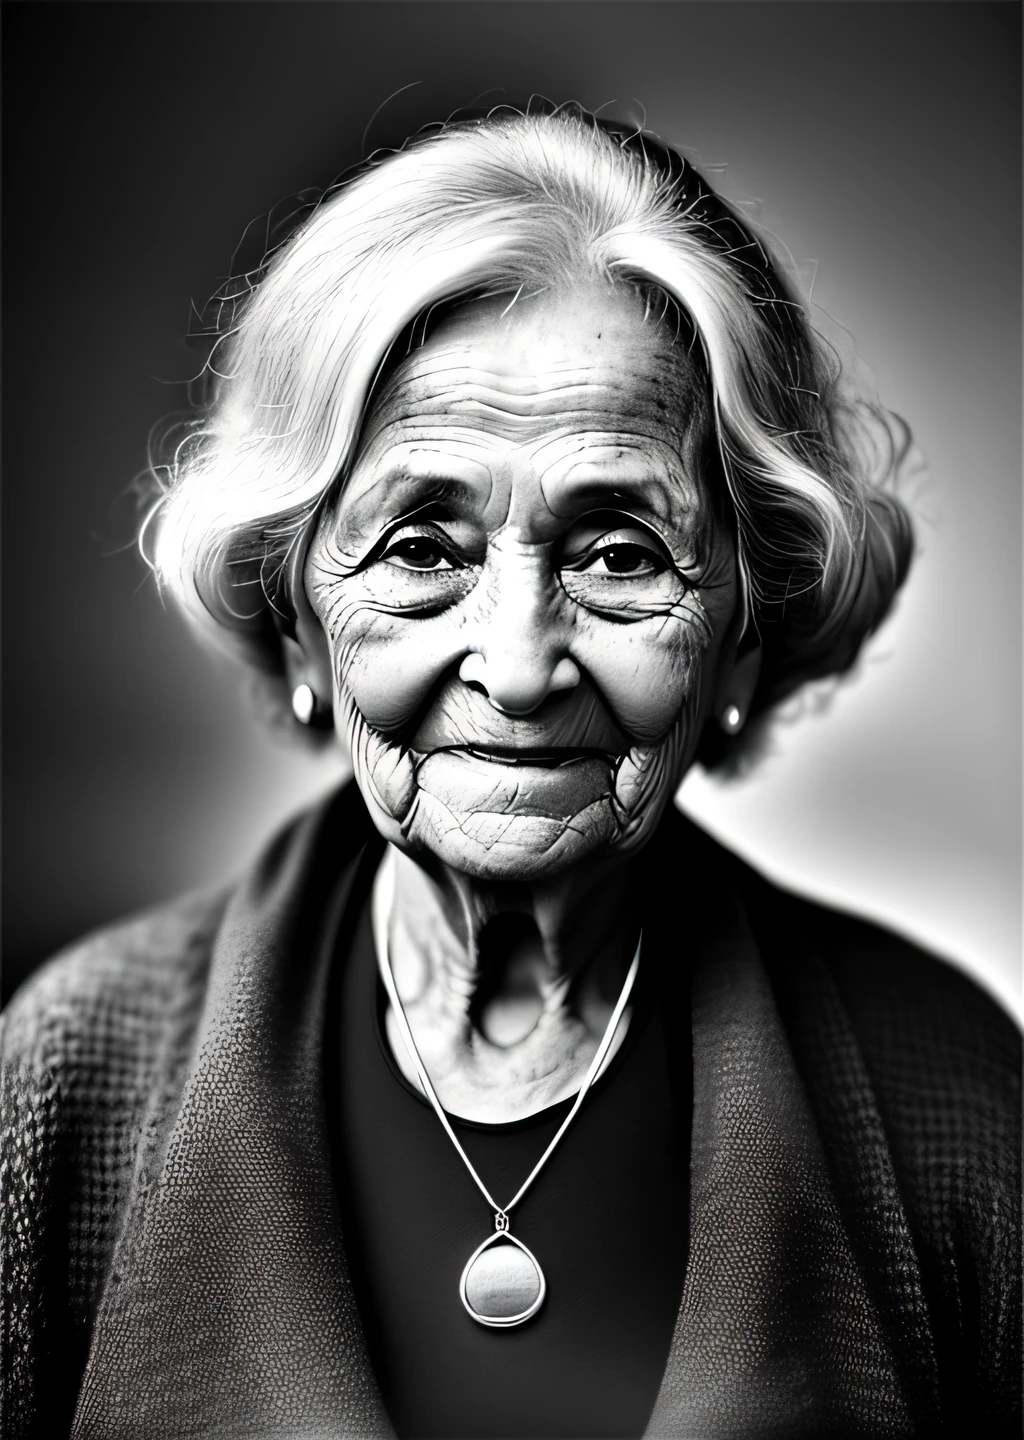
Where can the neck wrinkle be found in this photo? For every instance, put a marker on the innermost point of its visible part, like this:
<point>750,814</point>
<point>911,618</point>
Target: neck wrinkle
<point>419,920</point>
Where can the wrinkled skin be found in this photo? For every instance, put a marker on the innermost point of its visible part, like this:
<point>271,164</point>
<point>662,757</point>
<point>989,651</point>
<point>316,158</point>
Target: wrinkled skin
<point>526,612</point>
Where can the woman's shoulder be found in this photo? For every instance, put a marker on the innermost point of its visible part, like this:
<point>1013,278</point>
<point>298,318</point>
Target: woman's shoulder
<point>883,978</point>
<point>113,986</point>
<point>863,1006</point>
<point>894,990</point>
<point>138,976</point>
<point>931,1038</point>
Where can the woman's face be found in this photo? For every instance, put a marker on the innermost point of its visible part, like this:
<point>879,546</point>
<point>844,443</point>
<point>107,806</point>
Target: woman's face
<point>524,594</point>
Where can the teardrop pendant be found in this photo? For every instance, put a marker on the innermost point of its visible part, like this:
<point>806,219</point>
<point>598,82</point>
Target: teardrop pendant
<point>502,1283</point>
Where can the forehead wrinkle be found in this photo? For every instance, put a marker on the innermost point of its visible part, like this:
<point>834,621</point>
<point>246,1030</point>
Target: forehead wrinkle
<point>477,425</point>
<point>631,458</point>
<point>426,363</point>
<point>569,405</point>
<point>491,373</point>
<point>398,445</point>
<point>444,388</point>
<point>533,392</point>
<point>497,432</point>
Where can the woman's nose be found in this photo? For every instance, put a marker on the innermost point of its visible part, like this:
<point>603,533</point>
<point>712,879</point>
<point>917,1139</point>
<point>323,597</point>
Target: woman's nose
<point>518,688</point>
<point>520,658</point>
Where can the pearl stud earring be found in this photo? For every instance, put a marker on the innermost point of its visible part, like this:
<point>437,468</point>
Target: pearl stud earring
<point>303,704</point>
<point>732,720</point>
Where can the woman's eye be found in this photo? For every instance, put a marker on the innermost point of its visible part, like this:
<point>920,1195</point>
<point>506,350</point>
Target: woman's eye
<point>629,551</point>
<point>625,559</point>
<point>417,552</point>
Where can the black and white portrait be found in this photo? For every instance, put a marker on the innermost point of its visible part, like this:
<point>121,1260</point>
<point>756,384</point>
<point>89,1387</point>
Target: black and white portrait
<point>512,893</point>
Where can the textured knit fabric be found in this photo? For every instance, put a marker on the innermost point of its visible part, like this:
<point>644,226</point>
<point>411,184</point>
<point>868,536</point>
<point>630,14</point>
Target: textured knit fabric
<point>174,1263</point>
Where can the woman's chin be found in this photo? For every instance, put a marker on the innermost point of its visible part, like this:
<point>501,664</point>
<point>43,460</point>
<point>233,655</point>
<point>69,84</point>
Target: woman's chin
<point>523,848</point>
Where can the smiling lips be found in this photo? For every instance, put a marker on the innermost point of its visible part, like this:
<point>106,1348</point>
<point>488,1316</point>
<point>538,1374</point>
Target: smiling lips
<point>523,783</point>
<point>558,761</point>
<point>539,759</point>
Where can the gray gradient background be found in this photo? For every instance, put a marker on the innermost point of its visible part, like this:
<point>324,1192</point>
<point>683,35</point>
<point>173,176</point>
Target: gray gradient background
<point>883,141</point>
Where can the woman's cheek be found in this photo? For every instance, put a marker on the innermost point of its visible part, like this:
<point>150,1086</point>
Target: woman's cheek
<point>645,671</point>
<point>387,665</point>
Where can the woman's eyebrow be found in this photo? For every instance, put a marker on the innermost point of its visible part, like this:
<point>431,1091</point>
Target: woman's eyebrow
<point>668,500</point>
<point>394,491</point>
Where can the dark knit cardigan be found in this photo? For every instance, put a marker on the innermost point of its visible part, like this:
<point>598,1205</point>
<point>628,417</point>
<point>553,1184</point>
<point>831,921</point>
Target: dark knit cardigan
<point>173,1259</point>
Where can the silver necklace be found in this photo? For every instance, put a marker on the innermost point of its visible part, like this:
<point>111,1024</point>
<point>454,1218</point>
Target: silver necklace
<point>502,1284</point>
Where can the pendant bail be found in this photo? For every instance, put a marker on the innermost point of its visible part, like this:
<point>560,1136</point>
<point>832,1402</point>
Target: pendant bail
<point>501,1222</point>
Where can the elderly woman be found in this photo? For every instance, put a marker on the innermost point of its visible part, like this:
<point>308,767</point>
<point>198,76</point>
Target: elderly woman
<point>498,1100</point>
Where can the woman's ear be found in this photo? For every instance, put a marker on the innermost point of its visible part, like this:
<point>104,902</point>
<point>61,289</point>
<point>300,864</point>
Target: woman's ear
<point>734,694</point>
<point>307,668</point>
<point>305,650</point>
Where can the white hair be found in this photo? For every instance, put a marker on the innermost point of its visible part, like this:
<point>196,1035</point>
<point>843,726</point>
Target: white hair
<point>492,206</point>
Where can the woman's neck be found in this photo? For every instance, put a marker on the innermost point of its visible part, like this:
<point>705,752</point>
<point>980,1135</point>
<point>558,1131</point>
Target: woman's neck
<point>508,989</point>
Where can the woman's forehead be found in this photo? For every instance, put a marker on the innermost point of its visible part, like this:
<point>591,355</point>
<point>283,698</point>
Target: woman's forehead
<point>557,355</point>
<point>569,394</point>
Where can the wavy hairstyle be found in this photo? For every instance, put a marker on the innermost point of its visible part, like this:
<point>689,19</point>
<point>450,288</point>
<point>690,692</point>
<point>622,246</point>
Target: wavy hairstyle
<point>490,205</point>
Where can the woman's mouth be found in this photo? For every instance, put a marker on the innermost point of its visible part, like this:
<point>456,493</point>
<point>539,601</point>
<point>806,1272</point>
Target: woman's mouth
<point>520,782</point>
<point>550,759</point>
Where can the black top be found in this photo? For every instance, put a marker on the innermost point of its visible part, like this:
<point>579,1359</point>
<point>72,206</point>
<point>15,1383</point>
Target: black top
<point>591,1361</point>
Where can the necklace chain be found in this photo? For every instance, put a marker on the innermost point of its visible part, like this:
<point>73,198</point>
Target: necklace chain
<point>501,1213</point>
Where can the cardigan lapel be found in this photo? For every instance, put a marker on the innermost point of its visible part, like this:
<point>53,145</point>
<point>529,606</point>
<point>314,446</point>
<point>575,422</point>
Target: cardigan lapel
<point>777,1333</point>
<point>229,1310</point>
